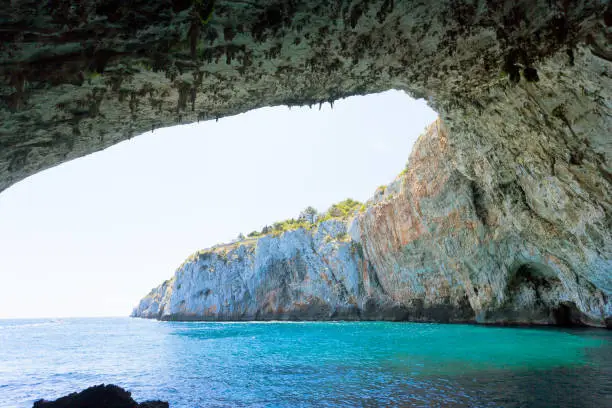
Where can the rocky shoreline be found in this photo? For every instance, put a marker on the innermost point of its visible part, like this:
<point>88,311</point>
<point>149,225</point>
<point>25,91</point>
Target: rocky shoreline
<point>428,247</point>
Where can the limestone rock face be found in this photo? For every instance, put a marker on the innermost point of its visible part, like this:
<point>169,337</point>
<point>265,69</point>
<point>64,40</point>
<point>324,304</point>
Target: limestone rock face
<point>302,274</point>
<point>77,77</point>
<point>434,246</point>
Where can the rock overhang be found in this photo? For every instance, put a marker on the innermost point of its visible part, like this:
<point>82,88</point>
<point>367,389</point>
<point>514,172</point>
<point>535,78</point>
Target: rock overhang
<point>78,77</point>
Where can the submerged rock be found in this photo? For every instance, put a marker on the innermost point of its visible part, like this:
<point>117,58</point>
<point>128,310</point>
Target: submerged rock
<point>99,396</point>
<point>431,246</point>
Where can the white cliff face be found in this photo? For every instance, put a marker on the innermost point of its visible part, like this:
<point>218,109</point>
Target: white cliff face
<point>433,246</point>
<point>154,303</point>
<point>302,274</point>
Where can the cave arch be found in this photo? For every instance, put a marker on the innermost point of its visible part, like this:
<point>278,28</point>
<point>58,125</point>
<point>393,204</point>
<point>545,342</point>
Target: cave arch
<point>535,292</point>
<point>534,273</point>
<point>566,314</point>
<point>108,73</point>
<point>521,86</point>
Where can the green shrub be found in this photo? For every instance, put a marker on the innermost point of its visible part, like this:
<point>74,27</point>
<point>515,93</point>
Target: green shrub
<point>406,168</point>
<point>289,225</point>
<point>310,215</point>
<point>343,237</point>
<point>357,248</point>
<point>310,218</point>
<point>343,209</point>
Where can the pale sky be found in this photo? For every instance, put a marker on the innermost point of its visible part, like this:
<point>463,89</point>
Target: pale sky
<point>93,236</point>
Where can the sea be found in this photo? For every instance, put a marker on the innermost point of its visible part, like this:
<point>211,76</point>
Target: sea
<point>307,364</point>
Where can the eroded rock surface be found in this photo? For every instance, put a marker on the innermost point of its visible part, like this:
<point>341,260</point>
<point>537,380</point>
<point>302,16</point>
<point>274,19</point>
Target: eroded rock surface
<point>76,77</point>
<point>434,246</point>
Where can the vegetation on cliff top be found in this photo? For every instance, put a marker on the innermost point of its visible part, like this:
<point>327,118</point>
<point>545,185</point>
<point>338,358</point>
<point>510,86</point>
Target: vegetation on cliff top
<point>310,218</point>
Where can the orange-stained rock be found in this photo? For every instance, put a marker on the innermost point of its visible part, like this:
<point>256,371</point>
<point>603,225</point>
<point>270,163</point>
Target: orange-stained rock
<point>434,246</point>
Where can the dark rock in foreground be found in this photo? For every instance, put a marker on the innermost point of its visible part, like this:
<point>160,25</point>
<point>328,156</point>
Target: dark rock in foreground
<point>99,396</point>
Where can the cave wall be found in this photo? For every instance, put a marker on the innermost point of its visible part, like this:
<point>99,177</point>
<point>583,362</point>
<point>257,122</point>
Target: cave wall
<point>438,237</point>
<point>541,168</point>
<point>76,77</point>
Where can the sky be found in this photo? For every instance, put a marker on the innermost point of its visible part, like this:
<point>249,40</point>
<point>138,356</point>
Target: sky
<point>92,236</point>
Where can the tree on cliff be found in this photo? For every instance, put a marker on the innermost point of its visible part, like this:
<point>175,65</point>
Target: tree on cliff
<point>310,214</point>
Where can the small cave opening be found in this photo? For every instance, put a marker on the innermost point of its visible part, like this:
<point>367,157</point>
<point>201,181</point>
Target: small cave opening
<point>566,314</point>
<point>536,295</point>
<point>534,276</point>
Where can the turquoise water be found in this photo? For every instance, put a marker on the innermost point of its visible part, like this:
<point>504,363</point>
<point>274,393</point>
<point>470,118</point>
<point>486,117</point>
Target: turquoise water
<point>307,364</point>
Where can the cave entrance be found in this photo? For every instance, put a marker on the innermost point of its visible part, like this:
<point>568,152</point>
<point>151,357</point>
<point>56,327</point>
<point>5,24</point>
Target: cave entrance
<point>164,194</point>
<point>566,314</point>
<point>534,276</point>
<point>535,294</point>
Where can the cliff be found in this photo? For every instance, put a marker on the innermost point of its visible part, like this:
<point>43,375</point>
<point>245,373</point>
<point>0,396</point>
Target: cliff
<point>431,246</point>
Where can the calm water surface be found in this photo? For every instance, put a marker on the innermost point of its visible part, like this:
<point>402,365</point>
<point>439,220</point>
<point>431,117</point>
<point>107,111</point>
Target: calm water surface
<point>307,364</point>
